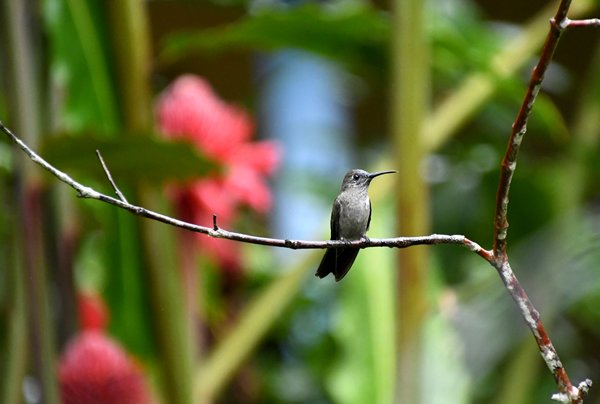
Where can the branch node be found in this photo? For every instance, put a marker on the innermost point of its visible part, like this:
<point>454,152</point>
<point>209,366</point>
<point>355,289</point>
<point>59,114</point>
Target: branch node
<point>584,387</point>
<point>86,192</point>
<point>559,25</point>
<point>575,394</point>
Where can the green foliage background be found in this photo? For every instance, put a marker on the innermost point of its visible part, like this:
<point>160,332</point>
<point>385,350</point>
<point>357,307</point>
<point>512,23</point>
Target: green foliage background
<point>282,336</point>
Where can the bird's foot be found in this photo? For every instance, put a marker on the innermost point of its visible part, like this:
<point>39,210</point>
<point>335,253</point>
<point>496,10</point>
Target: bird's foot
<point>346,241</point>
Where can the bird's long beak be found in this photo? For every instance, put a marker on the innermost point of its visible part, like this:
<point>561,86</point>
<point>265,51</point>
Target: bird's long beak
<point>373,175</point>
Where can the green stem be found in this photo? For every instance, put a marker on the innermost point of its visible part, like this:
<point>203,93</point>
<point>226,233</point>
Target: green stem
<point>25,115</point>
<point>167,307</point>
<point>130,36</point>
<point>253,324</point>
<point>410,78</point>
<point>518,381</point>
<point>15,350</point>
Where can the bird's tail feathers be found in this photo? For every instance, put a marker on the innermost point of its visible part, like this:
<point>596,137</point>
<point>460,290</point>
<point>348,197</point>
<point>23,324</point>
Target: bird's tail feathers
<point>338,262</point>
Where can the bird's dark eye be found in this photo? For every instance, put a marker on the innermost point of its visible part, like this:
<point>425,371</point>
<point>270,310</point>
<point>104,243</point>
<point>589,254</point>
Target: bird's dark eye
<point>356,177</point>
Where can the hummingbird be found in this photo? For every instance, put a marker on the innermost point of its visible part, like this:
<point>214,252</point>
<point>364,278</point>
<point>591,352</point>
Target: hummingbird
<point>350,220</point>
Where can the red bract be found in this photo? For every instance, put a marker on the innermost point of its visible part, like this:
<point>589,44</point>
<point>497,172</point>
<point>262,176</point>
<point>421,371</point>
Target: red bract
<point>190,110</point>
<point>248,186</point>
<point>95,370</point>
<point>93,313</point>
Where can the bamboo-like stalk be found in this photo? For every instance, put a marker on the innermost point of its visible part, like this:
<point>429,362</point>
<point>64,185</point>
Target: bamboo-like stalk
<point>15,351</point>
<point>130,36</point>
<point>25,113</point>
<point>410,87</point>
<point>221,364</point>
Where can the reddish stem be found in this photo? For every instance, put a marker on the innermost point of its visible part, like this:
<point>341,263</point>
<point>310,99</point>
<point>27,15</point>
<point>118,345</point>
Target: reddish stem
<point>498,256</point>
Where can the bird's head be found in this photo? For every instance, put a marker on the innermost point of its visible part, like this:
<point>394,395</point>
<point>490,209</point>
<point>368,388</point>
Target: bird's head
<point>358,178</point>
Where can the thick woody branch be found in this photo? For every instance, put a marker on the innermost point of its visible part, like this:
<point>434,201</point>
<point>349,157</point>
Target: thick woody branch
<point>558,24</point>
<point>567,392</point>
<point>519,128</point>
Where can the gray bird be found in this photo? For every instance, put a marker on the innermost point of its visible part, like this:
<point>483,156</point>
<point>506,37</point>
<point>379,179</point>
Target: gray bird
<point>350,220</point>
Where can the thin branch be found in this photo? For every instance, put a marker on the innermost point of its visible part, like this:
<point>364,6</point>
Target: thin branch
<point>509,163</point>
<point>217,232</point>
<point>567,392</point>
<point>582,389</point>
<point>592,22</point>
<point>110,178</point>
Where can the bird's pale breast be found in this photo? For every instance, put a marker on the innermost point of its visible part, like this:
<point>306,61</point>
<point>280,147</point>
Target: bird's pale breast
<point>354,217</point>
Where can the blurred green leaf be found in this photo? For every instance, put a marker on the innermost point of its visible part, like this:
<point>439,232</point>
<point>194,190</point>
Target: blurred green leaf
<point>79,63</point>
<point>6,158</point>
<point>549,119</point>
<point>259,315</point>
<point>462,42</point>
<point>131,158</point>
<point>443,361</point>
<point>351,35</point>
<point>366,326</point>
<point>126,287</point>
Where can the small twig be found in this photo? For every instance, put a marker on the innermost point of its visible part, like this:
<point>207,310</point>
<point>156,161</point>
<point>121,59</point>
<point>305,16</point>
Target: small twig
<point>592,22</point>
<point>215,226</point>
<point>110,179</point>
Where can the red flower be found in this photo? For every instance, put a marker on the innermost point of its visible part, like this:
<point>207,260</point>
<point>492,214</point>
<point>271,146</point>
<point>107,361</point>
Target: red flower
<point>93,313</point>
<point>95,370</point>
<point>189,109</point>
